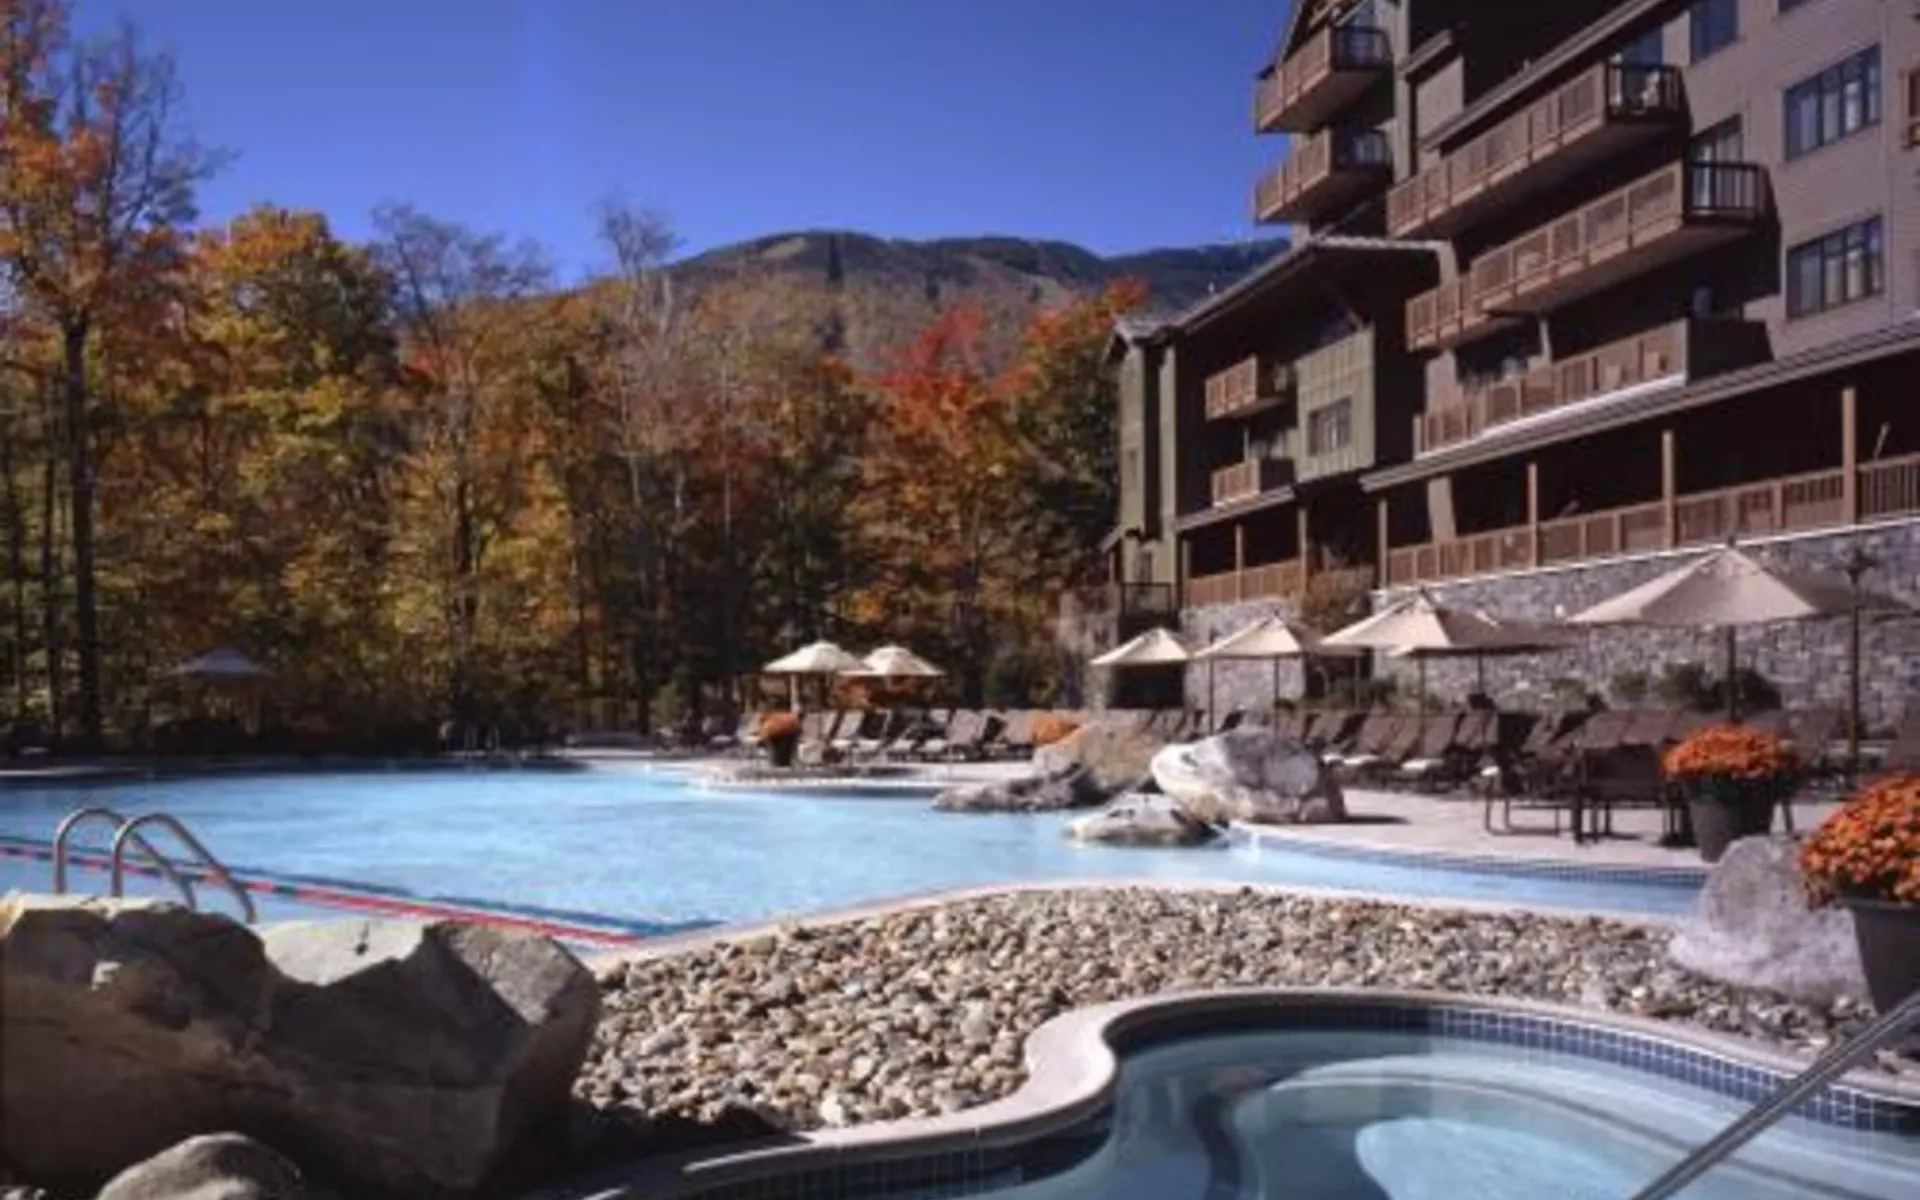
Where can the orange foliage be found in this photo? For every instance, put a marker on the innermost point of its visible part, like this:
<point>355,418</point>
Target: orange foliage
<point>1870,846</point>
<point>1730,752</point>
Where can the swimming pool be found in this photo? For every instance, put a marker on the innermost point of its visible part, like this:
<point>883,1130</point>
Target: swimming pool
<point>652,848</point>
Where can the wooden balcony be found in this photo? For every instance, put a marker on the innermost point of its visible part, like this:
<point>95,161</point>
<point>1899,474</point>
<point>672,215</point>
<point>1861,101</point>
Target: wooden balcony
<point>1682,351</point>
<point>1606,110</point>
<point>1332,170</point>
<point>1792,504</point>
<point>1250,386</point>
<point>1675,212</point>
<point>1245,480</point>
<point>1333,69</point>
<point>1273,581</point>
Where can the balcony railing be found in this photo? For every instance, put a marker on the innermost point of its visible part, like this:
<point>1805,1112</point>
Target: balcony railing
<point>1603,111</point>
<point>1690,349</point>
<point>1245,480</point>
<point>1791,504</point>
<point>1273,581</point>
<point>1678,210</point>
<point>1330,71</point>
<point>1330,170</point>
<point>1251,385</point>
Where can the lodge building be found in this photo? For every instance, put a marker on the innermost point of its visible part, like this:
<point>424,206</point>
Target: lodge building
<point>1571,291</point>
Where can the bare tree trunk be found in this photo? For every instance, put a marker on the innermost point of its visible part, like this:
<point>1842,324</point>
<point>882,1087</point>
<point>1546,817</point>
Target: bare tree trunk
<point>86,612</point>
<point>50,576</point>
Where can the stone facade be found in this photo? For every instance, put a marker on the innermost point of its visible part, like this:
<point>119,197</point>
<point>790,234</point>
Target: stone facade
<point>1806,660</point>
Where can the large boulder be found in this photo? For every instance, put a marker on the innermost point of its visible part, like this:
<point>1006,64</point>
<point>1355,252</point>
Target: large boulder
<point>220,1166</point>
<point>396,1057</point>
<point>1074,788</point>
<point>1753,927</point>
<point>1136,820</point>
<point>1250,774</point>
<point>1118,756</point>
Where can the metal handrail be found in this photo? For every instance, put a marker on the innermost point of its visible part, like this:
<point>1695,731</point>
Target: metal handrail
<point>208,862</point>
<point>1763,1116</point>
<point>160,861</point>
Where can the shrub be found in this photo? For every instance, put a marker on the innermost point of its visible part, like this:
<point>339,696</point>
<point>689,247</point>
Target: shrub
<point>1630,688</point>
<point>1685,685</point>
<point>779,723</point>
<point>1735,753</point>
<point>1870,846</point>
<point>1049,728</point>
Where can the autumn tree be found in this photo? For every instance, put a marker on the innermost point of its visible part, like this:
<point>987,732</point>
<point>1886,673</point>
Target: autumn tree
<point>95,185</point>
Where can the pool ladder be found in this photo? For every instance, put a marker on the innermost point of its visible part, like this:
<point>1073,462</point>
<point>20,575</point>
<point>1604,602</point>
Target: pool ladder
<point>1836,1062</point>
<point>126,834</point>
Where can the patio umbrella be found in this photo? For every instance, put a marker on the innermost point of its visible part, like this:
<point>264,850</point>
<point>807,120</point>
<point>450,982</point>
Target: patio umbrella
<point>1421,628</point>
<point>1154,648</point>
<point>1729,588</point>
<point>1272,637</point>
<point>895,662</point>
<point>818,659</point>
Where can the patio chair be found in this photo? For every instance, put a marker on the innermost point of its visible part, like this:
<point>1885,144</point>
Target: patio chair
<point>1417,733</point>
<point>1543,770</point>
<point>1448,756</point>
<point>858,728</point>
<point>1376,735</point>
<point>876,736</point>
<point>921,728</point>
<point>965,727</point>
<point>1015,737</point>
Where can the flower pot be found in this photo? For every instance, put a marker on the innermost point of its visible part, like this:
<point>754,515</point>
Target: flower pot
<point>781,748</point>
<point>1723,811</point>
<point>1889,937</point>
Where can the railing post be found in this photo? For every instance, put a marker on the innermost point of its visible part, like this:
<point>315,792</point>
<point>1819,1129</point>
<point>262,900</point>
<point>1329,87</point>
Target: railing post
<point>1380,539</point>
<point>1849,455</point>
<point>1239,561</point>
<point>1669,477</point>
<point>1533,512</point>
<point>1303,529</point>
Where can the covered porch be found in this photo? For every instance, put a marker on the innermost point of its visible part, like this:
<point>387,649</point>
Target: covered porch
<point>1819,454</point>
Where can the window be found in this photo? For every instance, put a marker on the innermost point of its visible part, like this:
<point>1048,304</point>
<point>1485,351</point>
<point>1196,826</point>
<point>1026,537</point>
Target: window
<point>1722,143</point>
<point>1787,6</point>
<point>1844,266</point>
<point>1646,50</point>
<point>1911,87</point>
<point>1713,25</point>
<point>1841,100</point>
<point>1330,428</point>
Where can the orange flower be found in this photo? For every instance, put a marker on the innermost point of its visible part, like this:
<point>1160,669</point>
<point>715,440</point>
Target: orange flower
<point>1049,728</point>
<point>1870,846</point>
<point>1734,752</point>
<point>779,723</point>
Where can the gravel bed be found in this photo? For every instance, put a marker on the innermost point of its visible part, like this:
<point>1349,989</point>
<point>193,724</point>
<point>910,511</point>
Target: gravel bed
<point>926,1011</point>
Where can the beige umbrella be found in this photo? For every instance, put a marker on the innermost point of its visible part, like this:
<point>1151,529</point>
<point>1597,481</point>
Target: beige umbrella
<point>1421,628</point>
<point>1272,637</point>
<point>895,662</point>
<point>1154,648</point>
<point>819,658</point>
<point>1729,588</point>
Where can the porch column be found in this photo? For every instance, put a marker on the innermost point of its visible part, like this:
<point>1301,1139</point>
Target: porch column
<point>1533,512</point>
<point>1380,539</point>
<point>1183,570</point>
<point>1850,455</point>
<point>1304,533</point>
<point>1239,560</point>
<point>1669,483</point>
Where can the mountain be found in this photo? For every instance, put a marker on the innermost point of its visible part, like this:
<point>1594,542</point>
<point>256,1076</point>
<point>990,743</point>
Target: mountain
<point>881,290</point>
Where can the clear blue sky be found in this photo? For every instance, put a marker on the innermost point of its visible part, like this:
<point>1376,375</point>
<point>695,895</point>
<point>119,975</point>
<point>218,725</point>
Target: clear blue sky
<point>1118,124</point>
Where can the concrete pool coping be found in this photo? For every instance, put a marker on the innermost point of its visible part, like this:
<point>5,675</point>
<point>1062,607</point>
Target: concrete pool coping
<point>1073,1063</point>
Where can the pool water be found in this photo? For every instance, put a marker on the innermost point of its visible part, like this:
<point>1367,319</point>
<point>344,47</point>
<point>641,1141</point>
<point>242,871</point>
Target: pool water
<point>651,846</point>
<point>1401,1116</point>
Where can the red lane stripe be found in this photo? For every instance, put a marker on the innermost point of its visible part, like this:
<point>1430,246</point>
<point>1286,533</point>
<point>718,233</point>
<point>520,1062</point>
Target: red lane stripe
<point>361,902</point>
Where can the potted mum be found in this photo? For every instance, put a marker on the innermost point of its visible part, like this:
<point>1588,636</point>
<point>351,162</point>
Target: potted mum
<point>1866,855</point>
<point>1731,776</point>
<point>780,733</point>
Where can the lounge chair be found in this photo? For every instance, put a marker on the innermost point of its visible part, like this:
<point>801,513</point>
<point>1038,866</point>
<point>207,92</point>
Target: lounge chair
<point>1370,742</point>
<point>920,729</point>
<point>1448,755</point>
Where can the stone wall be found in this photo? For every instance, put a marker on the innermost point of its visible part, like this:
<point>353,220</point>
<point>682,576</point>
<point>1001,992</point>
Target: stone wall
<point>1806,660</point>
